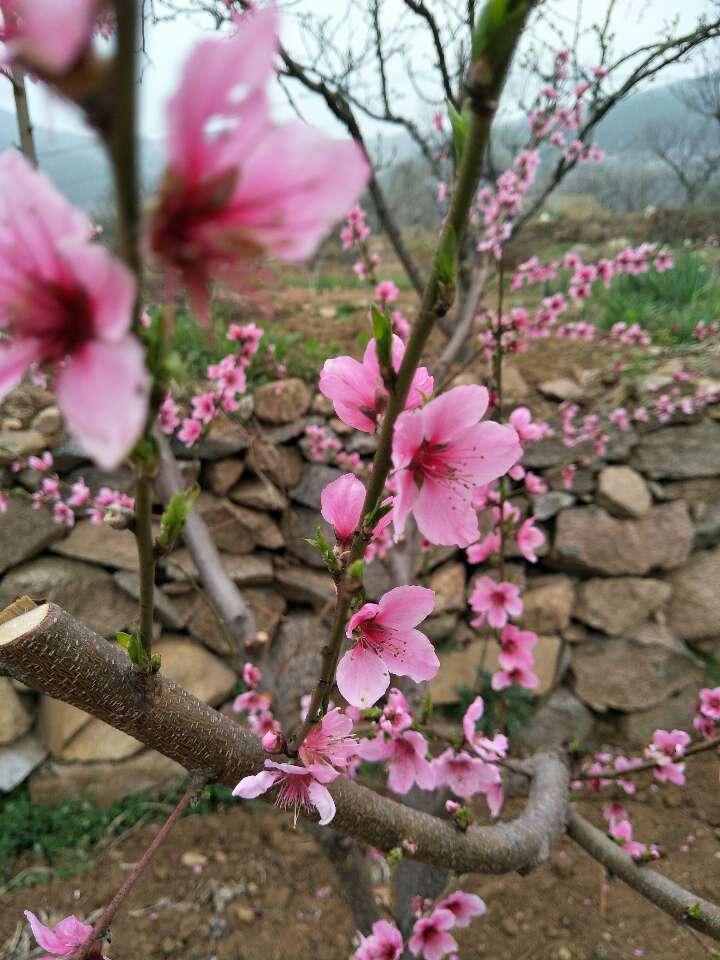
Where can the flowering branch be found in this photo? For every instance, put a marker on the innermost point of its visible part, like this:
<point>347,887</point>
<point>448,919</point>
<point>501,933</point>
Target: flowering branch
<point>682,905</point>
<point>614,774</point>
<point>106,917</point>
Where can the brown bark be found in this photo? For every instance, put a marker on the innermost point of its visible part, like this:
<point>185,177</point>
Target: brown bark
<point>22,112</point>
<point>52,653</point>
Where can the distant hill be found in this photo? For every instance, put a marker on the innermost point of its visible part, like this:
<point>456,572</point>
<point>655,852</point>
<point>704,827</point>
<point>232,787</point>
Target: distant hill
<point>77,163</point>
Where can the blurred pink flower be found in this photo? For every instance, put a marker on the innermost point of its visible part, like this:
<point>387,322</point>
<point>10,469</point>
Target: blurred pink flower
<point>46,36</point>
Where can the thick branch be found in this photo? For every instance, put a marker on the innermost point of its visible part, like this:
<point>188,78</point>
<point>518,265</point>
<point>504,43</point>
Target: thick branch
<point>236,615</point>
<point>52,653</point>
<point>679,903</point>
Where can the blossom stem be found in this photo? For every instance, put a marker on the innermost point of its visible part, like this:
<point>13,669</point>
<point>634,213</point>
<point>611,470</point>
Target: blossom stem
<point>498,372</point>
<point>106,917</point>
<point>485,81</point>
<point>146,554</point>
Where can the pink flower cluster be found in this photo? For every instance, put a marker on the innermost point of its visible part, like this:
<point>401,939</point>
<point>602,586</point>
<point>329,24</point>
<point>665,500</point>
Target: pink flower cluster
<point>707,712</point>
<point>257,706</point>
<point>323,448</point>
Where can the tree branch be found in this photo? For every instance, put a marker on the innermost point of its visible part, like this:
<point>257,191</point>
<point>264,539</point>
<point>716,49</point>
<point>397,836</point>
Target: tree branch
<point>680,904</point>
<point>52,653</point>
<point>419,8</point>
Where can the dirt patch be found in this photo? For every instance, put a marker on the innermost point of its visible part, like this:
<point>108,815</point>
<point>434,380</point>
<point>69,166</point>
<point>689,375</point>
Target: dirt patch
<point>243,885</point>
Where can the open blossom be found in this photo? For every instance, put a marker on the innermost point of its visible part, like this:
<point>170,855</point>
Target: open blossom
<point>407,756</point>
<point>529,539</point>
<point>522,422</point>
<point>440,454</point>
<point>486,748</point>
<point>463,906</point>
<point>385,943</point>
<point>300,788</point>
<point>357,389</point>
<point>252,675</point>
<point>67,936</point>
<point>396,715</point>
<point>430,936</point>
<point>666,748</point>
<point>465,775</point>
<point>45,36</point>
<point>386,291</point>
<point>495,602</point>
<point>709,703</point>
<point>238,185</point>
<point>341,504</point>
<point>387,642</point>
<point>68,303</point>
<point>329,742</point>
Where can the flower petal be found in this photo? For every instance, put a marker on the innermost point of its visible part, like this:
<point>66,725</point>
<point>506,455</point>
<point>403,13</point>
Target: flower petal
<point>452,413</point>
<point>412,655</point>
<point>362,677</point>
<point>251,787</point>
<point>322,801</point>
<point>405,607</point>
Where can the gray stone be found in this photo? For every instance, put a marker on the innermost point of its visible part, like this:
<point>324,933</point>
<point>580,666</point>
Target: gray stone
<point>258,493</point>
<point>378,579</point>
<point>84,590</point>
<point>676,453</point>
<point>14,718</point>
<point>301,585</point>
<point>288,467</point>
<point>363,443</point>
<point>674,713</point>
<point>562,389</point>
<point>291,431</point>
<point>237,529</point>
<point>18,760</point>
<point>250,570</point>
<point>18,444</point>
<point>122,478</point>
<point>103,784</point>
<point>166,610</point>
<point>448,582</point>
<point>623,492</point>
<point>548,605</point>
<point>624,674</point>
<point>293,661</point>
<point>707,528</point>
<point>299,524</point>
<point>695,604</point>
<point>316,477</point>
<point>99,543</point>
<point>619,444</point>
<point>559,720</point>
<point>619,604</point>
<point>440,626</point>
<point>25,532</point>
<point>68,455</point>
<point>194,669</point>
<point>220,476</point>
<point>548,505</point>
<point>547,452</point>
<point>282,401</point>
<point>49,421</point>
<point>224,438</point>
<point>583,480</point>
<point>588,539</point>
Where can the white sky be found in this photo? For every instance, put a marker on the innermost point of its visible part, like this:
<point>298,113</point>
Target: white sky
<point>169,43</point>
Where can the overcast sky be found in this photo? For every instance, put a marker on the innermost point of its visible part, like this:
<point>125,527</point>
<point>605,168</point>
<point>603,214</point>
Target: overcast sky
<point>168,45</point>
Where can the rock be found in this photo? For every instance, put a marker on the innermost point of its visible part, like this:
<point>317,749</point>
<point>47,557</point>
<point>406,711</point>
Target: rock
<point>282,401</point>
<point>263,528</point>
<point>25,532</point>
<point>48,422</point>
<point>378,579</point>
<point>515,387</point>
<point>166,610</point>
<point>236,529</point>
<point>194,669</point>
<point>707,528</point>
<point>264,458</point>
<point>652,383</point>
<point>257,493</point>
<point>448,582</point>
<point>291,431</point>
<point>250,570</point>
<point>122,478</point>
<point>103,784</point>
<point>316,477</point>
<point>301,585</point>
<point>267,606</point>
<point>695,604</point>
<point>623,492</point>
<point>15,721</point>
<point>558,720</point>
<point>588,539</point>
<point>340,427</point>
<point>220,476</point>
<point>548,505</point>
<point>617,605</point>
<point>624,674</point>
<point>458,668</point>
<point>583,481</point>
<point>363,443</point>
<point>300,523</point>
<point>440,627</point>
<point>98,741</point>
<point>675,453</point>
<point>289,467</point>
<point>98,543</point>
<point>674,713</point>
<point>294,661</point>
<point>548,605</point>
<point>321,405</point>
<point>85,591</point>
<point>620,444</point>
<point>224,438</point>
<point>563,389</point>
<point>68,455</point>
<point>547,452</point>
<point>58,722</point>
<point>19,444</point>
<point>18,760</point>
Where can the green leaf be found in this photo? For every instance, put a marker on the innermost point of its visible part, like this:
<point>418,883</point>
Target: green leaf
<point>124,639</point>
<point>135,649</point>
<point>372,519</point>
<point>460,123</point>
<point>446,259</point>
<point>173,519</point>
<point>694,910</point>
<point>356,570</point>
<point>426,709</point>
<point>382,331</point>
<point>320,544</point>
<point>394,855</point>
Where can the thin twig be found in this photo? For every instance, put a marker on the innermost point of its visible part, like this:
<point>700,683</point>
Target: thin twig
<point>699,747</point>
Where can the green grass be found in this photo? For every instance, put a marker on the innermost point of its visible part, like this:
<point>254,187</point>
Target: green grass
<point>64,836</point>
<point>668,305</point>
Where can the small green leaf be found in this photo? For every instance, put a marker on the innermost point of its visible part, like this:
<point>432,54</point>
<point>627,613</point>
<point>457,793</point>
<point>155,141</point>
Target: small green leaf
<point>694,911</point>
<point>356,570</point>
<point>320,544</point>
<point>426,709</point>
<point>394,855</point>
<point>124,639</point>
<point>382,331</point>
<point>462,818</point>
<point>372,713</point>
<point>460,123</point>
<point>371,520</point>
<point>173,519</point>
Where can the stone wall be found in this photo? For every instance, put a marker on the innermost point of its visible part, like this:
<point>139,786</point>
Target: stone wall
<point>624,599</point>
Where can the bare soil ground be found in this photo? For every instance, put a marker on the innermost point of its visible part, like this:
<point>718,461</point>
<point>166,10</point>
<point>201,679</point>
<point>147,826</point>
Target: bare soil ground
<point>243,885</point>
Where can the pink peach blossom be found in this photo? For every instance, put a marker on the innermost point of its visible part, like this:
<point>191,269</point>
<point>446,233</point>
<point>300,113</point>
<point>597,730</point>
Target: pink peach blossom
<point>341,504</point>
<point>440,454</point>
<point>329,742</point>
<point>529,539</point>
<point>238,185</point>
<point>252,675</point>
<point>300,788</point>
<point>67,936</point>
<point>387,641</point>
<point>385,943</point>
<point>357,389</point>
<point>68,303</point>
<point>495,602</point>
<point>406,754</point>
<point>517,646</point>
<point>465,775</point>
<point>386,291</point>
<point>396,715</point>
<point>45,36</point>
<point>463,906</point>
<point>710,703</point>
<point>430,936</point>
